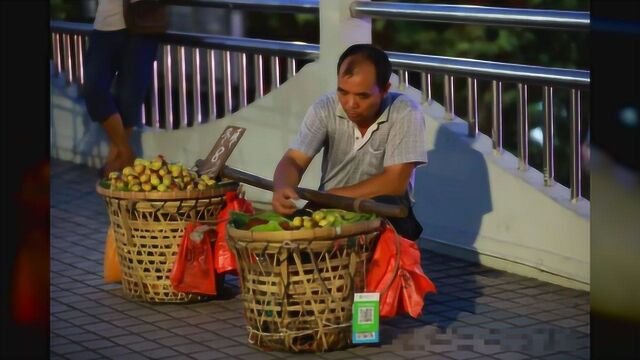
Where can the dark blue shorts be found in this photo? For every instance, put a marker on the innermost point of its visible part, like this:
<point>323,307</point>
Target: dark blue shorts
<point>129,60</point>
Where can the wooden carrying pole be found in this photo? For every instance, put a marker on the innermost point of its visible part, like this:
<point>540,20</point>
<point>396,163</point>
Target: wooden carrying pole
<point>321,198</point>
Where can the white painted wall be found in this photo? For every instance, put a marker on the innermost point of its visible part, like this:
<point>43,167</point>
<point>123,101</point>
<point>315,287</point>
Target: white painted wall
<point>471,203</point>
<point>477,205</point>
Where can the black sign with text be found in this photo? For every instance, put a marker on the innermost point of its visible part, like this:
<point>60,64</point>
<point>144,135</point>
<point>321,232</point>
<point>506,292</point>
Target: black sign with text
<point>220,152</point>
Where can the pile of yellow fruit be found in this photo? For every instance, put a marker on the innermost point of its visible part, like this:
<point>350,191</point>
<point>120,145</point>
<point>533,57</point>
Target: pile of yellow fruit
<point>317,219</point>
<point>158,175</point>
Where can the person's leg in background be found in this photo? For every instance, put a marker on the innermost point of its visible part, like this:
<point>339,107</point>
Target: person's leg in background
<point>132,85</point>
<point>101,65</point>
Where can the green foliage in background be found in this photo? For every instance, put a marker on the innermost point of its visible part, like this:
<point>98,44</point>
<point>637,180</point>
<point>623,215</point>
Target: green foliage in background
<point>59,9</point>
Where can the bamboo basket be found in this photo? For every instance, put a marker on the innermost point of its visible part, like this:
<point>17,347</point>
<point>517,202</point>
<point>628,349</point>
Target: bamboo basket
<point>297,287</point>
<point>149,228</point>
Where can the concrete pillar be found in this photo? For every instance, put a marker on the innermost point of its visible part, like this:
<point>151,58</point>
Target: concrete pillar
<point>338,30</point>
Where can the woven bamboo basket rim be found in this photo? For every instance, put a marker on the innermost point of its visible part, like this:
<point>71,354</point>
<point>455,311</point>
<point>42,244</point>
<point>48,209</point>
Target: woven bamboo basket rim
<point>326,233</point>
<point>220,190</point>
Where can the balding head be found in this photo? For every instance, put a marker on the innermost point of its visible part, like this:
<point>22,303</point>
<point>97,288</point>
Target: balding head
<point>355,55</point>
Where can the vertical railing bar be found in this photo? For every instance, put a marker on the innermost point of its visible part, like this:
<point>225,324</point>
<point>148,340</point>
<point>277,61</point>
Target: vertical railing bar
<point>259,78</point>
<point>424,87</point>
<point>523,128</point>
<point>182,86</point>
<point>76,68</point>
<point>242,64</point>
<point>429,92</point>
<point>211,88</point>
<point>576,176</point>
<point>449,104</point>
<point>496,128</point>
<point>195,80</point>
<point>290,68</point>
<point>57,64</point>
<point>548,137</point>
<point>77,44</point>
<point>168,106</point>
<point>404,82</point>
<point>275,72</point>
<point>226,68</point>
<point>472,105</point>
<point>155,111</point>
<point>143,114</point>
<point>67,58</point>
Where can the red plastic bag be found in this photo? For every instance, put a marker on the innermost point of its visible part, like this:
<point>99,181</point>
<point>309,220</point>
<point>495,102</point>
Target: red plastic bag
<point>396,272</point>
<point>389,300</point>
<point>193,269</point>
<point>224,260</point>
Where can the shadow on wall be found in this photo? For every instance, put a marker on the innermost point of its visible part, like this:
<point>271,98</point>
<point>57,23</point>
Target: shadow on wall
<point>452,195</point>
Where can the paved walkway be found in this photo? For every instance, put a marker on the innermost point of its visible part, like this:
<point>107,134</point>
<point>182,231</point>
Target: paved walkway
<point>479,313</point>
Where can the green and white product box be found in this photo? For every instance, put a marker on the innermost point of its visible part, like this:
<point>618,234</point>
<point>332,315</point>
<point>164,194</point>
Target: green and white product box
<point>366,318</point>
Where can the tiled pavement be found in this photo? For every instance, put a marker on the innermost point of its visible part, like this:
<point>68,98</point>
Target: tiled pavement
<point>479,313</point>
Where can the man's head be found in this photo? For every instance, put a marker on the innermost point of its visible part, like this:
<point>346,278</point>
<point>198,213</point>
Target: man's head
<point>363,81</point>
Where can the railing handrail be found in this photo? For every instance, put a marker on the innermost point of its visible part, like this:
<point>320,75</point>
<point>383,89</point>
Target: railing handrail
<point>470,14</point>
<point>76,28</point>
<point>491,70</point>
<point>439,64</point>
<point>249,45</point>
<point>294,6</point>
<point>293,49</point>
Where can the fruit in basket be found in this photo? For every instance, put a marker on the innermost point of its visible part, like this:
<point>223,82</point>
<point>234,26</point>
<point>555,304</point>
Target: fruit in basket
<point>156,164</point>
<point>307,222</point>
<point>318,215</point>
<point>271,221</point>
<point>167,179</point>
<point>139,169</point>
<point>157,175</point>
<point>155,180</point>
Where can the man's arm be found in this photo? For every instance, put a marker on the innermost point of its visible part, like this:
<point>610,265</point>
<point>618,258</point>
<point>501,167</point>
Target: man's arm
<point>393,180</point>
<point>286,177</point>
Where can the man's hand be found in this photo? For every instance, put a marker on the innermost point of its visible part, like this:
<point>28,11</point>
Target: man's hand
<point>282,201</point>
<point>285,178</point>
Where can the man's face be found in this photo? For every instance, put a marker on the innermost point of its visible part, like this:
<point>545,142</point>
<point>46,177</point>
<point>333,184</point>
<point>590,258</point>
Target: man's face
<point>358,93</point>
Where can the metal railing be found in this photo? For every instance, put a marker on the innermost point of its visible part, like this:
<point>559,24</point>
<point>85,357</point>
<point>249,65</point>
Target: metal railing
<point>177,47</point>
<point>293,6</point>
<point>467,14</point>
<point>234,53</point>
<point>524,76</point>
